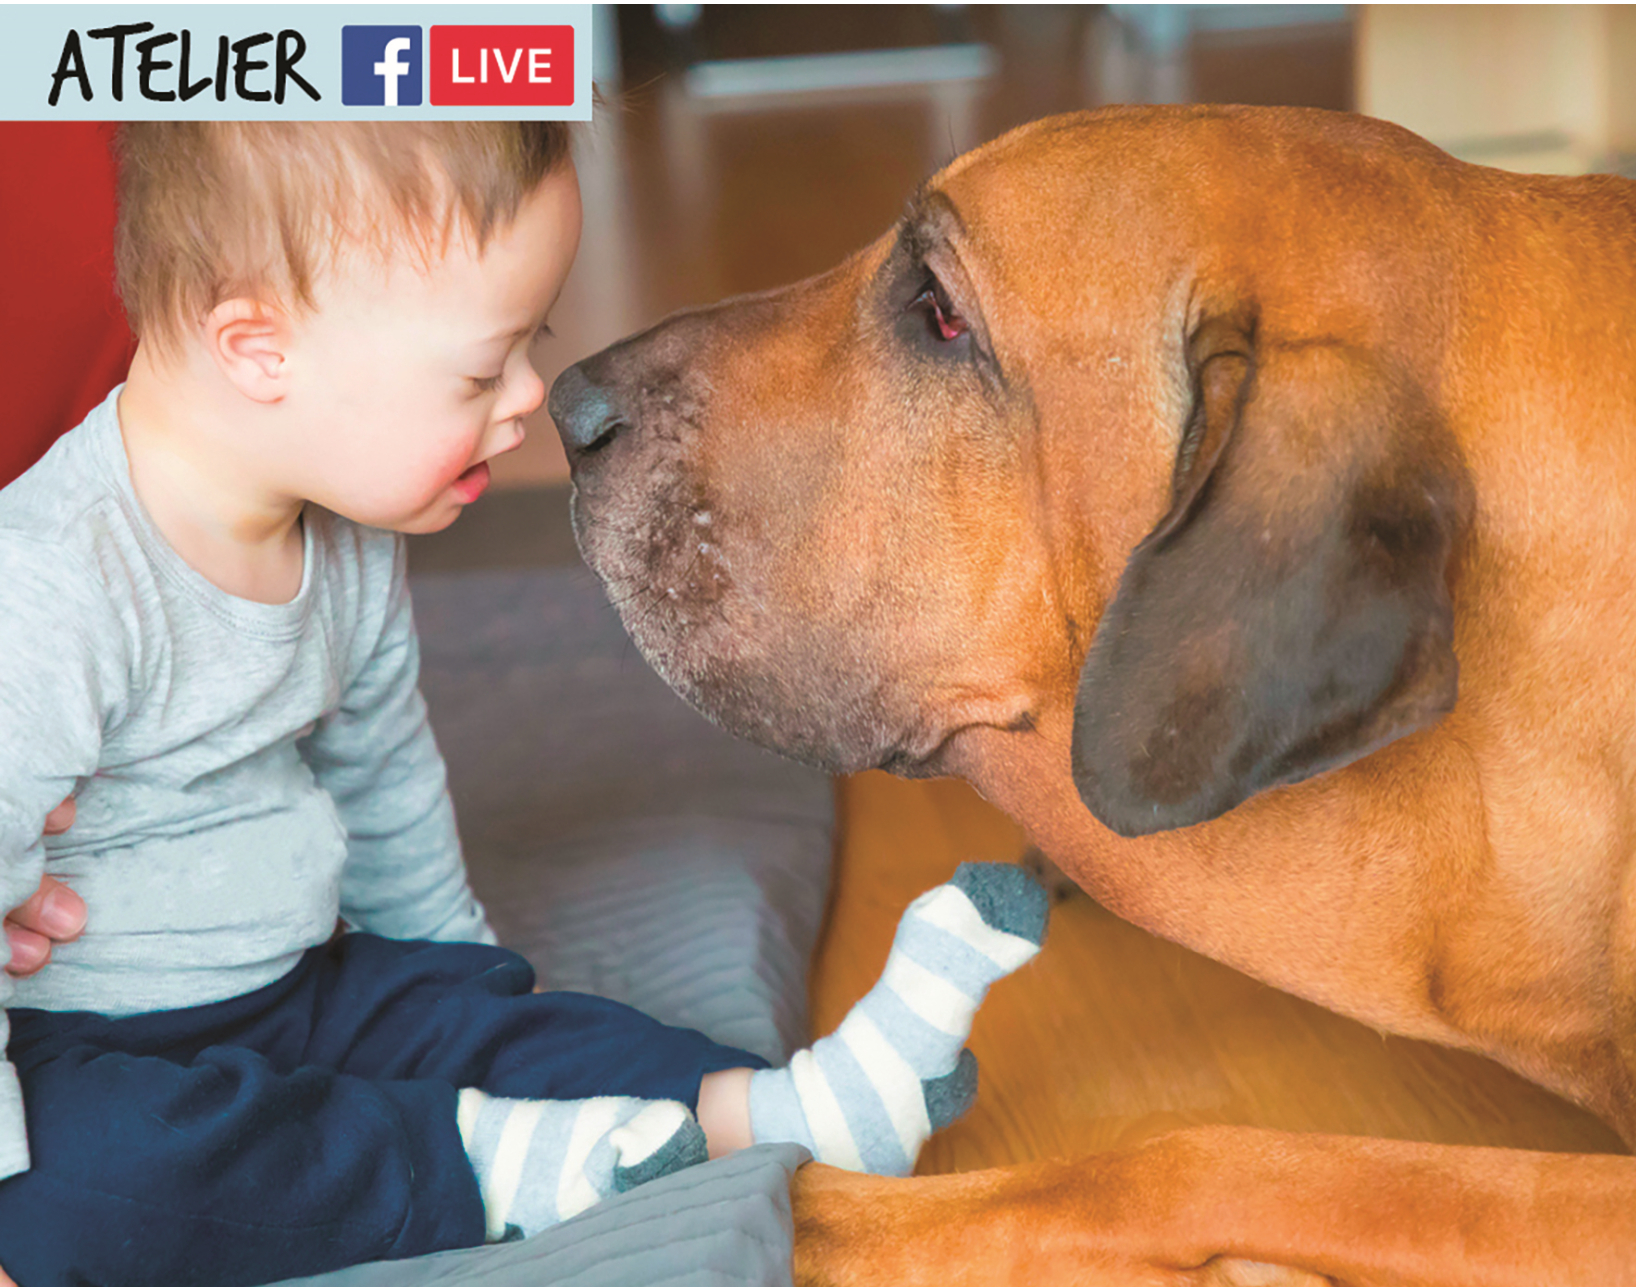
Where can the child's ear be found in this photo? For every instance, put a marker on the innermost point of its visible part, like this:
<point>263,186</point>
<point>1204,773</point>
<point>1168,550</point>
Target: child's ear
<point>249,342</point>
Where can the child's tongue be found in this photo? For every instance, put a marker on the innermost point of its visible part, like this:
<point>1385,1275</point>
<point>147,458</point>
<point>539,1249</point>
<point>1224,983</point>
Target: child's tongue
<point>473,483</point>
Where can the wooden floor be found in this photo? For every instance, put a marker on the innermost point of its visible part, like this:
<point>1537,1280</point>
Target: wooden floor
<point>1111,1034</point>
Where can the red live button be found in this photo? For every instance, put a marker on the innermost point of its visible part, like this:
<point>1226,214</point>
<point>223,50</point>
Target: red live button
<point>502,66</point>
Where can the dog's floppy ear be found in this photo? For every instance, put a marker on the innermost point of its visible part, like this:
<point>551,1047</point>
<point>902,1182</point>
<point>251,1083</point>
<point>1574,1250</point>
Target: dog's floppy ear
<point>1290,613</point>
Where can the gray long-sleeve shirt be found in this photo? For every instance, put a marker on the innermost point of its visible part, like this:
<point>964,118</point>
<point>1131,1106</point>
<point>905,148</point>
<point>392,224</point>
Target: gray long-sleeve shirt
<point>243,771</point>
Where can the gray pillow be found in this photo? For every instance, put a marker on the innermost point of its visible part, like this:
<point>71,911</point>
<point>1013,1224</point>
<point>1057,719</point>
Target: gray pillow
<point>619,841</point>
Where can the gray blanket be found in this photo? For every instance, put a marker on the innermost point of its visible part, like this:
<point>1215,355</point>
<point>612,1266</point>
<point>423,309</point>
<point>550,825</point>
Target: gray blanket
<point>631,850</point>
<point>723,1224</point>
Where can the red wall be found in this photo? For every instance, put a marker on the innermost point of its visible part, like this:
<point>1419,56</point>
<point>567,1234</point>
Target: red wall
<point>63,339</point>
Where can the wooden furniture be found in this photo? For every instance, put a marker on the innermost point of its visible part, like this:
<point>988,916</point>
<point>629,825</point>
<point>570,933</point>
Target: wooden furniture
<point>1547,89</point>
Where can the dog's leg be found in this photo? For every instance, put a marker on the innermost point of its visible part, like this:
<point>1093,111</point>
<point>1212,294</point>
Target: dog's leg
<point>1231,1207</point>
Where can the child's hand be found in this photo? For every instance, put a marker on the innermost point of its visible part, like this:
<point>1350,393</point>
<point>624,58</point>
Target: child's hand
<point>53,914</point>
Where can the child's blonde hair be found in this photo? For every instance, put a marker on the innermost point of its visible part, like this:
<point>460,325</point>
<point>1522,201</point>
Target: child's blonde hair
<point>211,211</point>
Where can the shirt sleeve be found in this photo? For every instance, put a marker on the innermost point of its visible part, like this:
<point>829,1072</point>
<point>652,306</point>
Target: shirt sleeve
<point>64,658</point>
<point>404,876</point>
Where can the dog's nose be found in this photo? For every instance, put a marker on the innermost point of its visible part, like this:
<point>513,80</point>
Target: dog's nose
<point>585,413</point>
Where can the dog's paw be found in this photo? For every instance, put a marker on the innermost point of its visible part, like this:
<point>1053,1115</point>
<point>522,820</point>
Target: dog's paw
<point>1057,883</point>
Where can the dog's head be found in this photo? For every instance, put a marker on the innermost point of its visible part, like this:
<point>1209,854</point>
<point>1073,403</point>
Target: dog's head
<point>1127,432</point>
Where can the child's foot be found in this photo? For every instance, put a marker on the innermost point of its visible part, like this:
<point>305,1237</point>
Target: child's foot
<point>867,1096</point>
<point>541,1161</point>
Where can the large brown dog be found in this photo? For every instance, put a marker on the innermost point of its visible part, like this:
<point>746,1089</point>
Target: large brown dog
<point>1152,474</point>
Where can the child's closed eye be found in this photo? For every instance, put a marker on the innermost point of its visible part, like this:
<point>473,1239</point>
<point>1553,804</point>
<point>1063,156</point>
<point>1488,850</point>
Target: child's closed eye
<point>490,383</point>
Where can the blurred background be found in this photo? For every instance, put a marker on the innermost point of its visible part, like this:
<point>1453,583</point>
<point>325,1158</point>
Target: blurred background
<point>744,146</point>
<point>739,147</point>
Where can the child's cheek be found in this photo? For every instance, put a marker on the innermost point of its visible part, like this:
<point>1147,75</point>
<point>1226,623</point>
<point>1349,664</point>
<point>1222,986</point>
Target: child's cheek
<point>445,463</point>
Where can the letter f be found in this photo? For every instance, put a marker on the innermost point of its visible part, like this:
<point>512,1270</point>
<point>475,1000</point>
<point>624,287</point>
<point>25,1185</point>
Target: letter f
<point>391,69</point>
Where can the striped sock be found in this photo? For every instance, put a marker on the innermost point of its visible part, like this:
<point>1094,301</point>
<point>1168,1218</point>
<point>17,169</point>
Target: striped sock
<point>867,1096</point>
<point>540,1161</point>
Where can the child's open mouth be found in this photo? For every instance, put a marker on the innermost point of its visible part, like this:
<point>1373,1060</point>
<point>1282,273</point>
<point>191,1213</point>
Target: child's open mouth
<point>473,483</point>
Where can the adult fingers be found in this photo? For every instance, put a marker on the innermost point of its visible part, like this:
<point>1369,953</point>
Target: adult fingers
<point>29,952</point>
<point>56,822</point>
<point>53,911</point>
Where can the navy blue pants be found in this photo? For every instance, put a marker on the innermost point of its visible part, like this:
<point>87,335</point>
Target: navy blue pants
<point>307,1126</point>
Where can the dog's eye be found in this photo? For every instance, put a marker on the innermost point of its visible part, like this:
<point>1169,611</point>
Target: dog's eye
<point>946,324</point>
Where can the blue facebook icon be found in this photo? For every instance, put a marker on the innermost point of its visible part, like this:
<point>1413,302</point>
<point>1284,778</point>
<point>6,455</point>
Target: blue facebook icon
<point>380,66</point>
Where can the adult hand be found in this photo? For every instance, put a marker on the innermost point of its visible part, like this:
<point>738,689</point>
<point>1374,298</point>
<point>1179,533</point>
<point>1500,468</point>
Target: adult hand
<point>53,914</point>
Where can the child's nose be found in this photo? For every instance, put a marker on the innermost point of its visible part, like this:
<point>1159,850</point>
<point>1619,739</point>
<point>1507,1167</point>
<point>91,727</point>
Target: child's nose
<point>527,395</point>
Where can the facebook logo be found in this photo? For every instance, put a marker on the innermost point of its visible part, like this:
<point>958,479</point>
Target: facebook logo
<point>380,66</point>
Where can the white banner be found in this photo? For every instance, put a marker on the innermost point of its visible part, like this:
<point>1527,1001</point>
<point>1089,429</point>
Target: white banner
<point>296,62</point>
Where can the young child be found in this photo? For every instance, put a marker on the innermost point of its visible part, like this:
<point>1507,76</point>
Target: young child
<point>205,637</point>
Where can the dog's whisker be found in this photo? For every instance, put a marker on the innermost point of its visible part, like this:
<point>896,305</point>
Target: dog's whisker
<point>607,525</point>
